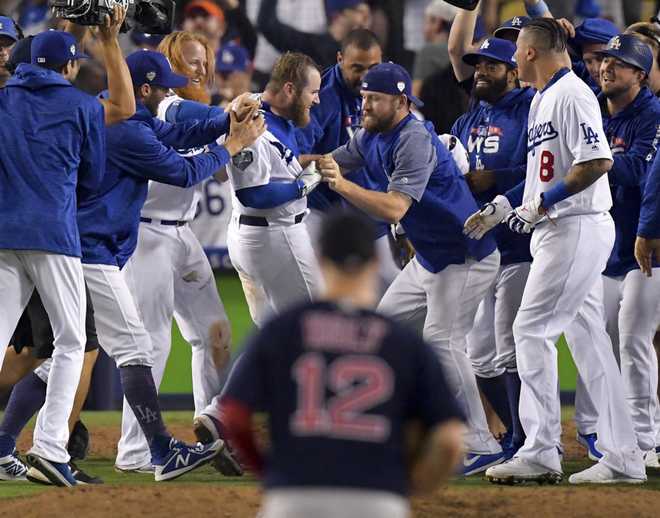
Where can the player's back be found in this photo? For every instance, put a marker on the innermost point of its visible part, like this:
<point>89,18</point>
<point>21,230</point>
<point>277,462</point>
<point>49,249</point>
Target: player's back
<point>565,129</point>
<point>339,384</point>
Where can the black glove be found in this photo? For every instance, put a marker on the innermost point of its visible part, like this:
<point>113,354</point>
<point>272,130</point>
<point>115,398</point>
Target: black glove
<point>470,5</point>
<point>78,446</point>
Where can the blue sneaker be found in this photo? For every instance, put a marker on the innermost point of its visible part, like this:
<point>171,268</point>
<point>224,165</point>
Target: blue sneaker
<point>57,473</point>
<point>183,458</point>
<point>474,463</point>
<point>588,440</point>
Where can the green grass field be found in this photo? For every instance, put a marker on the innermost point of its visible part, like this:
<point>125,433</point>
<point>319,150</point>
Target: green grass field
<point>178,379</point>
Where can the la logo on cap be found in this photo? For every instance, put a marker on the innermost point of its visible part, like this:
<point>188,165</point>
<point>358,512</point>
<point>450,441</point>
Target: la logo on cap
<point>401,86</point>
<point>151,76</point>
<point>365,85</point>
<point>1,26</point>
<point>72,49</point>
<point>227,57</point>
<point>615,43</point>
<point>516,22</point>
<point>485,44</point>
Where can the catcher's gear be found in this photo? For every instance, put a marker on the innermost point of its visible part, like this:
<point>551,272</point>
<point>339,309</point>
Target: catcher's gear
<point>309,179</point>
<point>492,213</point>
<point>470,5</point>
<point>523,219</point>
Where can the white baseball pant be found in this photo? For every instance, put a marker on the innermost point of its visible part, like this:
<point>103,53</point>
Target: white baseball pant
<point>170,277</point>
<point>303,502</point>
<point>59,281</point>
<point>490,344</point>
<point>443,306</point>
<point>564,292</point>
<point>276,264</point>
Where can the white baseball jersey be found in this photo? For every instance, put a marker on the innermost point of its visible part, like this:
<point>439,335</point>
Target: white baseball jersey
<point>168,201</point>
<point>265,161</point>
<point>565,129</point>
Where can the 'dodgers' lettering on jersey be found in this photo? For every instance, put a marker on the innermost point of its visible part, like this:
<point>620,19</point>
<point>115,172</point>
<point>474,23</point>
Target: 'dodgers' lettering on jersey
<point>540,133</point>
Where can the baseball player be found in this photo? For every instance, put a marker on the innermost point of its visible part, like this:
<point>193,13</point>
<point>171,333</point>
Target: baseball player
<point>39,241</point>
<point>420,186</point>
<point>334,121</point>
<point>493,133</point>
<point>631,115</point>
<point>647,244</point>
<point>169,274</point>
<point>108,221</point>
<point>566,197</point>
<point>590,37</point>
<point>267,245</point>
<point>340,392</point>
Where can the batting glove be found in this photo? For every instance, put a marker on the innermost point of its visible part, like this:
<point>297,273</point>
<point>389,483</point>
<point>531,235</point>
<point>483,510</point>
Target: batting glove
<point>481,222</point>
<point>309,179</point>
<point>523,219</point>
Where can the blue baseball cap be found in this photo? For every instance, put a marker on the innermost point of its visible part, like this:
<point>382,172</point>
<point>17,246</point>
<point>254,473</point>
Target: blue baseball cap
<point>515,24</point>
<point>593,30</point>
<point>55,48</point>
<point>496,49</point>
<point>391,79</point>
<point>153,68</point>
<point>336,6</point>
<point>145,38</point>
<point>630,50</point>
<point>232,58</point>
<point>8,28</point>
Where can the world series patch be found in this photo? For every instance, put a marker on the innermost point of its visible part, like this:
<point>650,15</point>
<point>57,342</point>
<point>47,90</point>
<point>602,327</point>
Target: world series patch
<point>243,159</point>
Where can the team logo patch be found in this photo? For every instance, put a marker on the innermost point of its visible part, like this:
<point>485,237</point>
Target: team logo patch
<point>485,44</point>
<point>227,57</point>
<point>1,26</point>
<point>401,86</point>
<point>365,85</point>
<point>72,49</point>
<point>151,76</point>
<point>615,43</point>
<point>516,22</point>
<point>243,160</point>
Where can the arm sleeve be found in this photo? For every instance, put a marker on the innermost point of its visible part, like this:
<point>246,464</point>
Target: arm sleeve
<point>515,195</point>
<point>269,196</point>
<point>415,158</point>
<point>184,110</point>
<point>629,168</point>
<point>93,149</point>
<point>433,401</point>
<point>237,18</point>
<point>192,133</point>
<point>349,156</point>
<point>583,129</point>
<point>285,37</point>
<point>649,216</point>
<point>145,156</point>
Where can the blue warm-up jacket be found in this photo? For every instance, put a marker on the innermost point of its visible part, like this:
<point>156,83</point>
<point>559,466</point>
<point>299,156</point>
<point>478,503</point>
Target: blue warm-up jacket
<point>630,134</point>
<point>53,141</point>
<point>142,149</point>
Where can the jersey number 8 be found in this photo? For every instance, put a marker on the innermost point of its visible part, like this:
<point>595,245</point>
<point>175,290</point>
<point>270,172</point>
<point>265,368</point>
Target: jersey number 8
<point>547,172</point>
<point>359,383</point>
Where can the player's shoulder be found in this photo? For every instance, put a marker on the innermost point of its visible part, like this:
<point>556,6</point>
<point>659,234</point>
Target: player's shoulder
<point>416,132</point>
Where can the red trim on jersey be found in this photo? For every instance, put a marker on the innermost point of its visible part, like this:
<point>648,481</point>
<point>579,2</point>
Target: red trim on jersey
<point>237,419</point>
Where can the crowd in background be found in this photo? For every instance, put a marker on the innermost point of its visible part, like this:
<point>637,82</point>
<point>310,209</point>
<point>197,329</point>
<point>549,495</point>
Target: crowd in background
<point>248,35</point>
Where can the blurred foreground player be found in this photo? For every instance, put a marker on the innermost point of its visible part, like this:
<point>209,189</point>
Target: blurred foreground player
<point>343,388</point>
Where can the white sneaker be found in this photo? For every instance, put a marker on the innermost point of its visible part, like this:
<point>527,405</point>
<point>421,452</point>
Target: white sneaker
<point>11,468</point>
<point>601,474</point>
<point>518,470</point>
<point>651,459</point>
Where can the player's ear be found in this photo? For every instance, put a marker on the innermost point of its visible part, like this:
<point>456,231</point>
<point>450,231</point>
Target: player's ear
<point>340,58</point>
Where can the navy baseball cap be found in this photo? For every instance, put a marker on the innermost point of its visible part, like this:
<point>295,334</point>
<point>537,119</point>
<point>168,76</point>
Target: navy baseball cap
<point>593,30</point>
<point>515,24</point>
<point>496,49</point>
<point>391,79</point>
<point>153,68</point>
<point>232,58</point>
<point>55,48</point>
<point>8,28</point>
<point>630,50</point>
<point>144,38</point>
<point>336,6</point>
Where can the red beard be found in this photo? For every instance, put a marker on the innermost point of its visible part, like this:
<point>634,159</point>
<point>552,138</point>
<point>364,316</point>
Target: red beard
<point>194,93</point>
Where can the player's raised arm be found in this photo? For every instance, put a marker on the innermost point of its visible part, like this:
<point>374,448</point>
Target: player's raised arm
<point>120,104</point>
<point>460,42</point>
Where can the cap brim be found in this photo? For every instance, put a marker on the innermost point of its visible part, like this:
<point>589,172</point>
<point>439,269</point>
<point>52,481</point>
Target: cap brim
<point>415,101</point>
<point>81,55</point>
<point>472,58</point>
<point>9,35</point>
<point>501,30</point>
<point>172,81</point>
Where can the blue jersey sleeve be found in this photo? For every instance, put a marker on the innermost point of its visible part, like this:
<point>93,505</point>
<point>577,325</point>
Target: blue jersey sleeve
<point>144,155</point>
<point>349,156</point>
<point>649,216</point>
<point>414,158</point>
<point>268,196</point>
<point>185,110</point>
<point>93,151</point>
<point>192,133</point>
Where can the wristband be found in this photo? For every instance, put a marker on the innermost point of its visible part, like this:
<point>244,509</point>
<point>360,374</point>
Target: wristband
<point>537,10</point>
<point>558,193</point>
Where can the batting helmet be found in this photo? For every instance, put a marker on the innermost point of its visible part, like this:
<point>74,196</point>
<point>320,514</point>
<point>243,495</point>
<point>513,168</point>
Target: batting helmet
<point>630,50</point>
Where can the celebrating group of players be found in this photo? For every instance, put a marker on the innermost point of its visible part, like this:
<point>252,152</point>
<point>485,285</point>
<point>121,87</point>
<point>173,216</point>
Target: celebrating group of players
<point>539,215</point>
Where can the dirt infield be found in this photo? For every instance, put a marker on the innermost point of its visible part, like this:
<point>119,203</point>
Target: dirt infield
<point>241,499</point>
